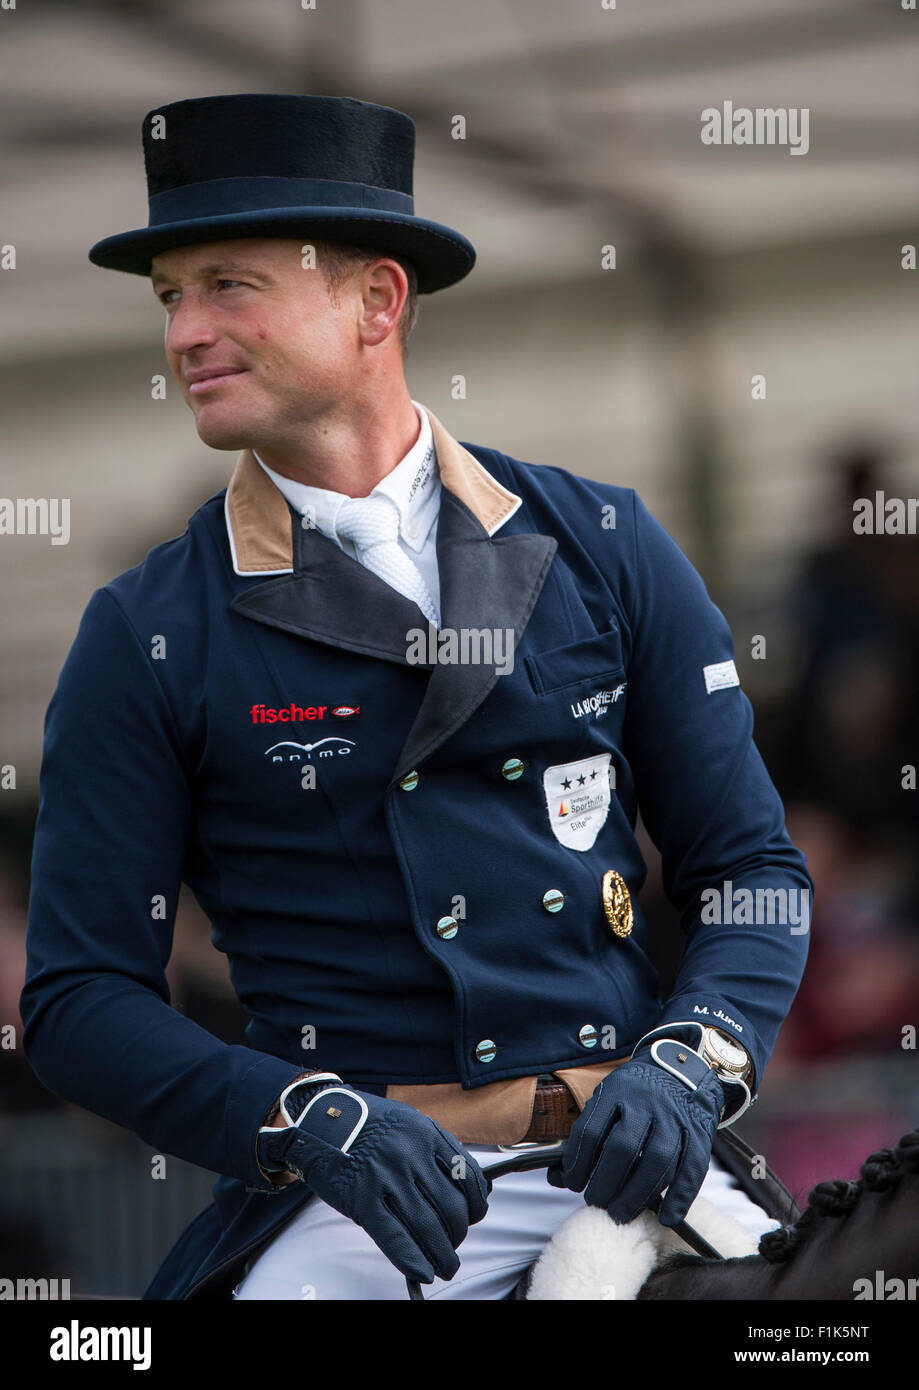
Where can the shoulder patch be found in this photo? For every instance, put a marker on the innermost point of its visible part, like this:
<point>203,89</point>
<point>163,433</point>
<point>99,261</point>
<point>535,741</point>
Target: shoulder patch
<point>720,676</point>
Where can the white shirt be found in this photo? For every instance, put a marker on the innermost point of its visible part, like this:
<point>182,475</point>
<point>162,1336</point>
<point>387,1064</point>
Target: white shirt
<point>414,485</point>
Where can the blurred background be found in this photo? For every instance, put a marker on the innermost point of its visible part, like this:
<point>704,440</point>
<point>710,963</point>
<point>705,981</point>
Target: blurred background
<point>582,131</point>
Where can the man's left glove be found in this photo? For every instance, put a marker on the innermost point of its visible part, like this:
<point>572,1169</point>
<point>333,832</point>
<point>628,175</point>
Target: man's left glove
<point>641,1131</point>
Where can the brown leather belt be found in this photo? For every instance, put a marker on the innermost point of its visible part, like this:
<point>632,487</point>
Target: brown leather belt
<point>554,1111</point>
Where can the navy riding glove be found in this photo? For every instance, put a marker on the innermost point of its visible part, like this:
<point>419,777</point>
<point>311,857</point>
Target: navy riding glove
<point>641,1131</point>
<point>411,1186</point>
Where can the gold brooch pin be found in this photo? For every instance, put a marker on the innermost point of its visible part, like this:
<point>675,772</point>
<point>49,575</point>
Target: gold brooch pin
<point>617,903</point>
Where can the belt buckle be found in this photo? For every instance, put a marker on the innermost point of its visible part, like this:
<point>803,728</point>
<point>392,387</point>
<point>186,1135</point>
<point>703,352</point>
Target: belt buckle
<point>535,1144</point>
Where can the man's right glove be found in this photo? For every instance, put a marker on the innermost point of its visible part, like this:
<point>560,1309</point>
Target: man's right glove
<point>411,1186</point>
<point>644,1129</point>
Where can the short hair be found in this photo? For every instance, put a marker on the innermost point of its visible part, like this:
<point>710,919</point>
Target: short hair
<point>340,261</point>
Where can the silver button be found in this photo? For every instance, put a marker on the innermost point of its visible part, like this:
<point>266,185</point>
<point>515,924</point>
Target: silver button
<point>409,782</point>
<point>512,769</point>
<point>411,530</point>
<point>588,1036</point>
<point>486,1050</point>
<point>447,928</point>
<point>553,900</point>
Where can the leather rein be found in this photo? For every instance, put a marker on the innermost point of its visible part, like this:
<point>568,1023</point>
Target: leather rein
<point>527,1162</point>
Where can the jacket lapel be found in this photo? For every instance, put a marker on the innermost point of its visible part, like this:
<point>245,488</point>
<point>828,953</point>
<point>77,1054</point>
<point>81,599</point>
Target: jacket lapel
<point>330,598</point>
<point>485,583</point>
<point>312,588</point>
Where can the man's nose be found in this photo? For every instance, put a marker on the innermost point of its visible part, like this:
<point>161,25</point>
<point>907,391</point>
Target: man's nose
<point>190,325</point>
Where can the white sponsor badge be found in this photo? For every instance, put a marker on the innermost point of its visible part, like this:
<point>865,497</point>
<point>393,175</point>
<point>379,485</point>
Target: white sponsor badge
<point>577,799</point>
<point>720,676</point>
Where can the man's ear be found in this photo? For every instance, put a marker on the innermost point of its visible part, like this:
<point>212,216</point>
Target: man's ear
<point>384,287</point>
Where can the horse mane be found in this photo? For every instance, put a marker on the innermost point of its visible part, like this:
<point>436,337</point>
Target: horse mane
<point>880,1172</point>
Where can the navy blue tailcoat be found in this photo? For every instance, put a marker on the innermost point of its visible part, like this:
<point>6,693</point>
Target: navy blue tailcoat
<point>245,712</point>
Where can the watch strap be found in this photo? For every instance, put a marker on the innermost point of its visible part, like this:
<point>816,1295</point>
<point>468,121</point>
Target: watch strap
<point>681,1061</point>
<point>693,1032</point>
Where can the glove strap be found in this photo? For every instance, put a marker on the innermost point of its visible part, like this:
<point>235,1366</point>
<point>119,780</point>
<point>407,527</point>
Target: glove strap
<point>681,1061</point>
<point>293,1100</point>
<point>296,1096</point>
<point>335,1115</point>
<point>313,1108</point>
<point>686,1063</point>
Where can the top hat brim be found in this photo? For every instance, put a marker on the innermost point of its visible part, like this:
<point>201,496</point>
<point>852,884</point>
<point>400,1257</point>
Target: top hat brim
<point>440,255</point>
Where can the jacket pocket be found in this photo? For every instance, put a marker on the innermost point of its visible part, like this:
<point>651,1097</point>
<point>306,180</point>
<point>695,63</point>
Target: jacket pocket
<point>590,659</point>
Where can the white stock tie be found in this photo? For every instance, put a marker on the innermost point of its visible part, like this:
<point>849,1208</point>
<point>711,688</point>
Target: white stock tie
<point>373,524</point>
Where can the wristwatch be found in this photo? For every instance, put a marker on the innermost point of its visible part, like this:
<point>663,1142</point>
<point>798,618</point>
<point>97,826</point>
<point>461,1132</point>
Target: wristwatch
<point>724,1055</point>
<point>727,1058</point>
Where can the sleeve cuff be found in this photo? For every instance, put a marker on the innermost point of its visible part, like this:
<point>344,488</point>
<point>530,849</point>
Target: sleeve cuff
<point>254,1103</point>
<point>715,1012</point>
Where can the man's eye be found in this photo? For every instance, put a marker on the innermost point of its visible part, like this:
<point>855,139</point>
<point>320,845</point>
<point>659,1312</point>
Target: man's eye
<point>165,296</point>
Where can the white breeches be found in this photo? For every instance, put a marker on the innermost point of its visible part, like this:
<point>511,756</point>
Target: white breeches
<point>321,1254</point>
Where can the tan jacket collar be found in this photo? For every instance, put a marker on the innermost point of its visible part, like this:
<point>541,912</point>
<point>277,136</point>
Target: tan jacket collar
<point>258,517</point>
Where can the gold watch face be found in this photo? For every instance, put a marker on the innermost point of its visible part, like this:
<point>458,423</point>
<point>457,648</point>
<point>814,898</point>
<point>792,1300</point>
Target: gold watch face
<point>726,1053</point>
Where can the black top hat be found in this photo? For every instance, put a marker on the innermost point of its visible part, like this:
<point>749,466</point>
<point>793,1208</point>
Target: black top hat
<point>269,165</point>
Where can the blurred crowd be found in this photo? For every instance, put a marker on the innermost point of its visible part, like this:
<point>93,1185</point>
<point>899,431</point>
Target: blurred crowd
<point>845,755</point>
<point>841,741</point>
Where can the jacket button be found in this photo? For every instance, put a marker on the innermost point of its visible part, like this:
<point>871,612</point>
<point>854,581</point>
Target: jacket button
<point>512,769</point>
<point>588,1036</point>
<point>409,782</point>
<point>486,1051</point>
<point>447,928</point>
<point>553,900</point>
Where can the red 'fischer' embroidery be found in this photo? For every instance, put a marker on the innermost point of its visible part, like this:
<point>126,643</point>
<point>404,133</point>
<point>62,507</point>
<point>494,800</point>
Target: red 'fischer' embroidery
<point>290,714</point>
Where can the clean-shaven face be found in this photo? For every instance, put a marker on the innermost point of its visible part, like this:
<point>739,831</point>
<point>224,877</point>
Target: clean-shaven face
<point>253,339</point>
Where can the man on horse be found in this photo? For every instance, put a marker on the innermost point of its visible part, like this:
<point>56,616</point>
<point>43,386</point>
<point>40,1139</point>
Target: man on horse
<point>424,872</point>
